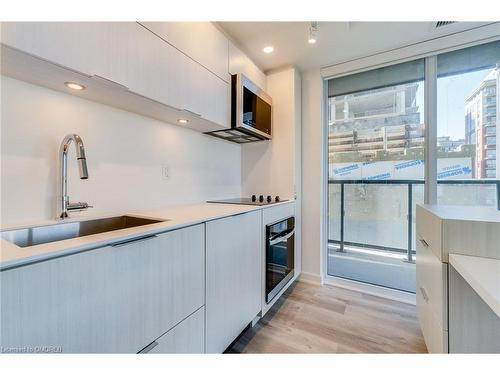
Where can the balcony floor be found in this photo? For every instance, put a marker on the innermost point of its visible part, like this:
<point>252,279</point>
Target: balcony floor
<point>373,266</point>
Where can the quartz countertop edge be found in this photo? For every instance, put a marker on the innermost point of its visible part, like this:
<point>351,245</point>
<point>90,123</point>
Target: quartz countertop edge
<point>487,214</point>
<point>174,217</point>
<point>482,274</point>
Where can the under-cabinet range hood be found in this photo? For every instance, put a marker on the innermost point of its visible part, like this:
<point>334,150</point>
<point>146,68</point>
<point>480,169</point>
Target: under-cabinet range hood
<point>251,113</point>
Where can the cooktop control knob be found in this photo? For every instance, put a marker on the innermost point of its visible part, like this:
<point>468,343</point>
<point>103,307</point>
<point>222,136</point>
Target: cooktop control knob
<point>261,198</point>
<point>269,199</point>
<point>254,198</point>
<point>277,198</point>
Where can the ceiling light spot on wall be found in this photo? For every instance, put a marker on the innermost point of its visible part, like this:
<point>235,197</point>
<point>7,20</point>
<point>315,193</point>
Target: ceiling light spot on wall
<point>268,49</point>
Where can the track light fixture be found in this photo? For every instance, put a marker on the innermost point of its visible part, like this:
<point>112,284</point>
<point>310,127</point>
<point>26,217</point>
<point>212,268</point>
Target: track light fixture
<point>313,33</point>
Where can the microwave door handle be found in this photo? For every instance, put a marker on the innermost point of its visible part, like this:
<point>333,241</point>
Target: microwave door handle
<point>281,238</point>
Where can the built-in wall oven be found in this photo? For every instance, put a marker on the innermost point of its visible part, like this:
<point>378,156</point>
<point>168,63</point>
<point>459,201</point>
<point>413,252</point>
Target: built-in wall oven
<point>280,248</point>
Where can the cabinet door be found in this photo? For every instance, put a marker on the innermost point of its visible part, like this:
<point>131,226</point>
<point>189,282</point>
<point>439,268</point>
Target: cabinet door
<point>156,70</point>
<point>474,326</point>
<point>70,44</point>
<point>111,299</point>
<point>432,280</point>
<point>186,337</point>
<point>431,297</point>
<point>218,101</point>
<point>159,71</point>
<point>233,286</point>
<point>201,41</point>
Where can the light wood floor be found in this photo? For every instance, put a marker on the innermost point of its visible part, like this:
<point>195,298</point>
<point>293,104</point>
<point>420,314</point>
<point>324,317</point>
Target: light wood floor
<point>326,319</point>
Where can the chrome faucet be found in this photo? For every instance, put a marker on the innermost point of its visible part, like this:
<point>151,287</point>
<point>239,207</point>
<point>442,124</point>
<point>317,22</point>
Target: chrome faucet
<point>64,205</point>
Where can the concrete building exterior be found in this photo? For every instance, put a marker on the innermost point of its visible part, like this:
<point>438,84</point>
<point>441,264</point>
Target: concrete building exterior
<point>481,125</point>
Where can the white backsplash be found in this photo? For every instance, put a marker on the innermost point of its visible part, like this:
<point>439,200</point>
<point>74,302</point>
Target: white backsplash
<point>125,155</point>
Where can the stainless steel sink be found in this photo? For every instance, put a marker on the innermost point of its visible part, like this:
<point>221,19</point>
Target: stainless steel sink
<point>50,233</point>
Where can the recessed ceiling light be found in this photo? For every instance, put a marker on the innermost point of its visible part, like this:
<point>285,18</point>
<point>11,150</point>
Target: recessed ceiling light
<point>312,40</point>
<point>268,49</point>
<point>182,121</point>
<point>74,86</point>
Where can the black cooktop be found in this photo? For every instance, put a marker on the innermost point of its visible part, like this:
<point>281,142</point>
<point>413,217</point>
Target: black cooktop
<point>254,201</point>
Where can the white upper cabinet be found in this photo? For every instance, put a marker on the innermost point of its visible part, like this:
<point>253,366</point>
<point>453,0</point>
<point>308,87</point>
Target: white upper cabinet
<point>199,40</point>
<point>139,61</point>
<point>240,63</point>
<point>153,68</point>
<point>70,44</point>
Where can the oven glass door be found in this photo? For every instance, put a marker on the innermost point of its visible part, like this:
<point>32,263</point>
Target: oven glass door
<point>279,256</point>
<point>256,112</point>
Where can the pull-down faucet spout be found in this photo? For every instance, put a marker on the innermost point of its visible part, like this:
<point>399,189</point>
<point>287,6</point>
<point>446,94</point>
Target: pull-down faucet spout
<point>64,206</point>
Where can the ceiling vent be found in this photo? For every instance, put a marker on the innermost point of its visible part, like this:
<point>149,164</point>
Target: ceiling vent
<point>443,23</point>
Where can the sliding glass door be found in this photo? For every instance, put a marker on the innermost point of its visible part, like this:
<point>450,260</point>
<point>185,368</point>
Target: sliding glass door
<point>376,153</point>
<point>376,164</point>
<point>467,125</point>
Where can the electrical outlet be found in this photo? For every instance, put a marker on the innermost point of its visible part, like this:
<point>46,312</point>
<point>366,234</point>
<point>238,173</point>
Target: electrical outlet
<point>165,172</point>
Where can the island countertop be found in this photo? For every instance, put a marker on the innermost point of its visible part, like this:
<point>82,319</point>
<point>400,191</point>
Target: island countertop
<point>482,274</point>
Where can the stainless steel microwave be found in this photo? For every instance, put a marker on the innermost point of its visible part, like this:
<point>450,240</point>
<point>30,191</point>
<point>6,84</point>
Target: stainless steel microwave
<point>251,113</point>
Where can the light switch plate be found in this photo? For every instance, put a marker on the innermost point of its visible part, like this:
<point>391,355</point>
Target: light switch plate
<point>165,172</point>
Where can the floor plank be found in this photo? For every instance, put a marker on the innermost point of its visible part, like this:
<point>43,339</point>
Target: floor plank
<point>326,319</point>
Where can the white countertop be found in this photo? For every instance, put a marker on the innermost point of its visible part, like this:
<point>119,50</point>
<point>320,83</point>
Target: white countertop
<point>482,274</point>
<point>467,213</point>
<point>12,255</point>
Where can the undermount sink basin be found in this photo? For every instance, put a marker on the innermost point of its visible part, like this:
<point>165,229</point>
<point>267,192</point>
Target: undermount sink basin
<point>62,231</point>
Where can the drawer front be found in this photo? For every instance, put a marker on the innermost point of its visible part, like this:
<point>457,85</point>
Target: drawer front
<point>186,337</point>
<point>432,281</point>
<point>274,213</point>
<point>436,338</point>
<point>429,228</point>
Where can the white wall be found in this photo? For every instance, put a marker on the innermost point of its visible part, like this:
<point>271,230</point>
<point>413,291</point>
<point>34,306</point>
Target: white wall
<point>268,167</point>
<point>312,162</point>
<point>125,153</point>
<point>274,167</point>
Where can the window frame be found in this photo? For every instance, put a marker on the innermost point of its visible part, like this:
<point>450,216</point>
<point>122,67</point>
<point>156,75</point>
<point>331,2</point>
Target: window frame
<point>430,120</point>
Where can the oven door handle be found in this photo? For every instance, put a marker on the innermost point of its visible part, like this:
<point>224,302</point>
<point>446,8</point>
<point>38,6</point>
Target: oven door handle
<point>274,241</point>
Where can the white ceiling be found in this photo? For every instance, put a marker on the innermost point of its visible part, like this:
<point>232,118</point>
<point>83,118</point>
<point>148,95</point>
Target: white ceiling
<point>337,41</point>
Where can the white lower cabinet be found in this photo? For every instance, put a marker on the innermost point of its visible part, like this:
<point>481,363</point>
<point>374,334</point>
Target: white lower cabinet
<point>186,337</point>
<point>233,284</point>
<point>431,296</point>
<point>442,230</point>
<point>474,326</point>
<point>115,299</point>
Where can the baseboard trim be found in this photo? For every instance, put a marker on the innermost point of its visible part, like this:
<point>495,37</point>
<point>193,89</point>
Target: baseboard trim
<point>374,290</point>
<point>310,278</point>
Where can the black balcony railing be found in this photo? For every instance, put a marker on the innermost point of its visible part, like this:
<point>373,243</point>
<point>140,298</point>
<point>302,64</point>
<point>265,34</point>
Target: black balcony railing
<point>409,183</point>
